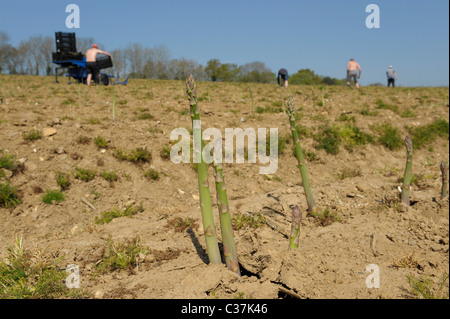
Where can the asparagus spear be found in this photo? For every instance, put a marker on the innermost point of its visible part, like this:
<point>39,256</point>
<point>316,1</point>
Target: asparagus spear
<point>212,246</point>
<point>406,188</point>
<point>444,180</point>
<point>295,229</point>
<point>229,247</point>
<point>301,158</point>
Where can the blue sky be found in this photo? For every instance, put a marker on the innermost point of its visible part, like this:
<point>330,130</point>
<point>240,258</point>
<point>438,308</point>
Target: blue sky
<point>318,34</point>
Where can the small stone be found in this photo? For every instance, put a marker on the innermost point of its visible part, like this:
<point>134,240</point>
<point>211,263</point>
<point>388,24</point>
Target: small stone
<point>196,197</point>
<point>75,229</point>
<point>60,150</point>
<point>48,131</point>
<point>363,188</point>
<point>150,258</point>
<point>99,294</point>
<point>351,195</point>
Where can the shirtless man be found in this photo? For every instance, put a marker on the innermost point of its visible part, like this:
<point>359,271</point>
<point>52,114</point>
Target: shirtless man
<point>91,63</point>
<point>352,72</point>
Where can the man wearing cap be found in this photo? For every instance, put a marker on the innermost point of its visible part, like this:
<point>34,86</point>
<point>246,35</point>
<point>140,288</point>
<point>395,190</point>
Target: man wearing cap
<point>91,63</point>
<point>391,75</point>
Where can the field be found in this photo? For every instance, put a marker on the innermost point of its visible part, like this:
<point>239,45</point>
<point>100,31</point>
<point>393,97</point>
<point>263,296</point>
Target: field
<point>93,182</point>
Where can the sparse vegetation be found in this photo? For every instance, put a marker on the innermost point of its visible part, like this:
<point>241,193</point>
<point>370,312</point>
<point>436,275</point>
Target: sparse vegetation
<point>33,135</point>
<point>426,289</point>
<point>51,197</point>
<point>325,217</point>
<point>388,136</point>
<point>121,255</point>
<point>425,135</point>
<point>26,274</point>
<point>110,176</point>
<point>108,216</point>
<point>241,221</point>
<point>86,175</point>
<point>9,197</point>
<point>152,174</point>
<point>63,181</point>
<point>101,142</point>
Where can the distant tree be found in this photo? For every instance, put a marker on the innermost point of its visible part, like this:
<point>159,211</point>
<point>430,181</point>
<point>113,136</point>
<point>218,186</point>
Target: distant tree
<point>5,51</point>
<point>228,72</point>
<point>212,69</point>
<point>179,69</point>
<point>305,76</point>
<point>157,63</point>
<point>256,72</point>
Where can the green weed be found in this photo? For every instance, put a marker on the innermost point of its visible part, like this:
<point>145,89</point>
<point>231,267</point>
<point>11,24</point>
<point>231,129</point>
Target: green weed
<point>241,221</point>
<point>85,175</point>
<point>121,255</point>
<point>101,142</point>
<point>51,197</point>
<point>26,275</point>
<point>152,174</point>
<point>33,135</point>
<point>9,197</point>
<point>325,217</point>
<point>108,216</point>
<point>388,136</point>
<point>424,287</point>
<point>110,176</point>
<point>424,135</point>
<point>63,181</point>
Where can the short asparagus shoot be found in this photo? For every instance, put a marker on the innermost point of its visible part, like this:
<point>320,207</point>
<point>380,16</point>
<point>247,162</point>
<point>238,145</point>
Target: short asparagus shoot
<point>406,188</point>
<point>295,229</point>
<point>444,171</point>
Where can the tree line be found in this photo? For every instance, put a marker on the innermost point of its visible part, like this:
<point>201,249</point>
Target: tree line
<point>34,57</point>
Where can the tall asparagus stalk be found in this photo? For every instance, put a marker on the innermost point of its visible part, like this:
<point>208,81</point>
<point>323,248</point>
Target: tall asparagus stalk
<point>300,158</point>
<point>229,247</point>
<point>212,246</point>
<point>406,188</point>
<point>444,180</point>
<point>295,229</point>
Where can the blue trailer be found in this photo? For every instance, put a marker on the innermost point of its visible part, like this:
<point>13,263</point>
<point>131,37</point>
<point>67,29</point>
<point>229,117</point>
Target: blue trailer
<point>76,69</point>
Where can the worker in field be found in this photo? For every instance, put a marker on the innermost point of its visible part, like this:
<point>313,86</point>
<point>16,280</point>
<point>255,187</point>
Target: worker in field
<point>391,76</point>
<point>283,76</point>
<point>91,63</point>
<point>352,72</point>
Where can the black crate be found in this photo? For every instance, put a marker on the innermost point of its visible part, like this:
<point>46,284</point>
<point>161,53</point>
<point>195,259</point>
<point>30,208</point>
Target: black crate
<point>104,62</point>
<point>65,42</point>
<point>65,36</point>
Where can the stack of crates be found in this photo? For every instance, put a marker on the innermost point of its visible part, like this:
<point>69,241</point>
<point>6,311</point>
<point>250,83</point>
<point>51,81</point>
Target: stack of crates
<point>66,47</point>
